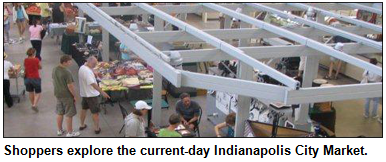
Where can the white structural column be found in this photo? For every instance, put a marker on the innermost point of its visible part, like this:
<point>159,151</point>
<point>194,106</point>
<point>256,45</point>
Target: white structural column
<point>81,36</point>
<point>244,72</point>
<point>157,81</point>
<point>106,41</point>
<point>310,73</point>
<point>157,98</point>
<point>145,18</point>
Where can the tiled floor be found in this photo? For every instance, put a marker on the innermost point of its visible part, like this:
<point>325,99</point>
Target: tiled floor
<point>21,121</point>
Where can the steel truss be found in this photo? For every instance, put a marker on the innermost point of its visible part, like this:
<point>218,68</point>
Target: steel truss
<point>143,45</point>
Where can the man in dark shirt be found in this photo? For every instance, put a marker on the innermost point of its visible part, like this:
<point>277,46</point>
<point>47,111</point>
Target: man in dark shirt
<point>188,110</point>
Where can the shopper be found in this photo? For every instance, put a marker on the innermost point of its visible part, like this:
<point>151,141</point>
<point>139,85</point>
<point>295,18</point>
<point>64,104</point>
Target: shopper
<point>188,110</point>
<point>36,37</point>
<point>135,122</point>
<point>174,121</point>
<point>230,121</point>
<point>124,52</point>
<point>370,77</point>
<point>45,14</point>
<point>20,17</point>
<point>57,15</point>
<point>334,61</point>
<point>8,67</point>
<point>64,92</point>
<point>32,79</point>
<point>89,91</point>
<point>7,24</point>
<point>339,46</point>
<point>69,11</point>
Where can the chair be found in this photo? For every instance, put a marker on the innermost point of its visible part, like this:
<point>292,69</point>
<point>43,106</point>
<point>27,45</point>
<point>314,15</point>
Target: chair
<point>197,129</point>
<point>124,114</point>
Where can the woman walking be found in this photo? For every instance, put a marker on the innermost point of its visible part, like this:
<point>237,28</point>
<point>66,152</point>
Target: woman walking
<point>36,38</point>
<point>32,79</point>
<point>7,24</point>
<point>20,17</point>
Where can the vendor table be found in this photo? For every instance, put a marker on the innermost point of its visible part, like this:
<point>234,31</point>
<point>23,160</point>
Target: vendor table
<point>80,56</point>
<point>183,130</point>
<point>69,39</point>
<point>131,76</point>
<point>57,29</point>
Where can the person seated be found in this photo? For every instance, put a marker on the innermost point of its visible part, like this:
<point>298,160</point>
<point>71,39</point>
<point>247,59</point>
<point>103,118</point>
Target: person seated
<point>174,121</point>
<point>230,121</point>
<point>188,110</point>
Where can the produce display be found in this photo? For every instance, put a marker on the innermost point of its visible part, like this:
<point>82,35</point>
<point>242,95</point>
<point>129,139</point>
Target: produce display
<point>33,10</point>
<point>117,76</point>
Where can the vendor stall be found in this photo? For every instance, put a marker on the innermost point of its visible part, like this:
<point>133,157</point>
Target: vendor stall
<point>81,53</point>
<point>122,80</point>
<point>122,75</point>
<point>57,29</point>
<point>69,40</point>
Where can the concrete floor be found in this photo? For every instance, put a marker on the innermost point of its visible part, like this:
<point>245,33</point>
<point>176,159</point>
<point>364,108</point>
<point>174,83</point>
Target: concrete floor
<point>21,121</point>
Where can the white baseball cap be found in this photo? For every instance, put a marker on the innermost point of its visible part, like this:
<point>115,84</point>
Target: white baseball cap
<point>339,46</point>
<point>141,105</point>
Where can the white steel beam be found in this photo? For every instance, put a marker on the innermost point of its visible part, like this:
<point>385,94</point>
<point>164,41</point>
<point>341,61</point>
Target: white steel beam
<point>272,93</point>
<point>265,52</point>
<point>182,36</point>
<point>339,17</point>
<point>146,51</point>
<point>319,26</point>
<point>336,93</point>
<point>195,8</point>
<point>229,49</point>
<point>298,38</point>
<point>363,7</point>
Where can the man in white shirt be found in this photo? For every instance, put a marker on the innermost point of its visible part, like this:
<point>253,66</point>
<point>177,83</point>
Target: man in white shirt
<point>89,91</point>
<point>7,95</point>
<point>369,77</point>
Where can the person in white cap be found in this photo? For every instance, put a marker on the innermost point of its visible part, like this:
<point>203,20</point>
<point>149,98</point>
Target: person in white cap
<point>338,47</point>
<point>135,122</point>
<point>370,77</point>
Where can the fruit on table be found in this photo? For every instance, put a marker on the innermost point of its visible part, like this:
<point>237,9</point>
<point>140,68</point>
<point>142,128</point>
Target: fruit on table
<point>120,71</point>
<point>129,82</point>
<point>110,82</point>
<point>131,71</point>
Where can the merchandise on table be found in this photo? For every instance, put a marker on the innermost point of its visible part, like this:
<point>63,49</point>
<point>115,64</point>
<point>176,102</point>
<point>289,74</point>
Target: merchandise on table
<point>117,75</point>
